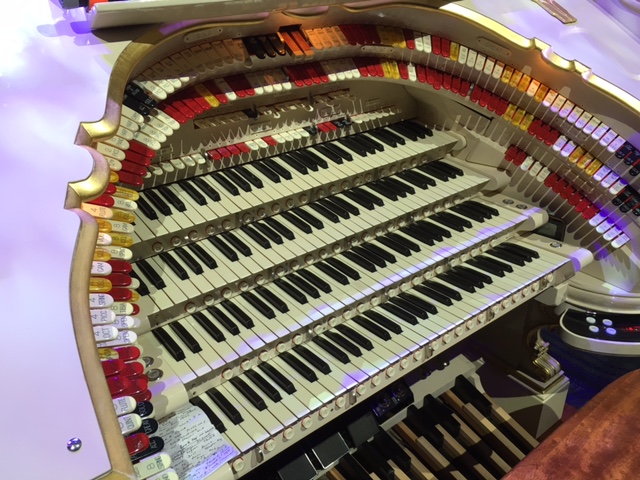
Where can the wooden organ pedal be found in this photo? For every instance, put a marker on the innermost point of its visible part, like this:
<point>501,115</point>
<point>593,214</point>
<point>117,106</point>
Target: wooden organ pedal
<point>293,214</point>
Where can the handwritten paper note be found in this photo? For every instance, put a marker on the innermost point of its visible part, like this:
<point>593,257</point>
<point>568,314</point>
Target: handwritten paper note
<point>196,448</point>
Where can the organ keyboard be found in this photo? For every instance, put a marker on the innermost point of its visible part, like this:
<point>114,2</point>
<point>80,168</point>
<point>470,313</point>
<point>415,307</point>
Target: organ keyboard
<point>292,211</point>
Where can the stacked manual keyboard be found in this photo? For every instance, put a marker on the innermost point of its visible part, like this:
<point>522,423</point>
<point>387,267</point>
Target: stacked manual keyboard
<point>305,282</point>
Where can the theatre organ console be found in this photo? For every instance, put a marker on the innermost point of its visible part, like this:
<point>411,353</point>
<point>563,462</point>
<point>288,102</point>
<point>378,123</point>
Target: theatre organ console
<point>296,214</point>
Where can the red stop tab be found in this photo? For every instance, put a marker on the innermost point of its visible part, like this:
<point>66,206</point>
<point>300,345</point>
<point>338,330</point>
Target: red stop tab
<point>120,266</point>
<point>137,443</point>
<point>112,367</point>
<point>127,354</point>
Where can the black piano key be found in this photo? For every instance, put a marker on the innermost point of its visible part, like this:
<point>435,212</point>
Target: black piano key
<point>357,141</point>
<point>370,255</point>
<point>467,211</point>
<point>266,388</point>
<point>234,177</point>
<point>481,264</point>
<point>334,208</point>
<point>457,282</point>
<point>342,203</point>
<point>344,343</point>
<point>477,208</point>
<point>256,236</point>
<point>294,163</point>
<point>353,146</point>
<point>434,172</point>
<point>283,382</point>
<point>193,192</point>
<point>400,185</point>
<point>259,305</point>
<point>405,132</point>
<point>520,248</point>
<point>249,177</point>
<point>447,221</point>
<point>470,271</point>
<point>372,327</point>
<point>225,405</point>
<point>375,199</point>
<point>412,123</point>
<point>507,256</point>
<point>224,320</point>
<point>279,169</point>
<point>409,307</point>
<point>142,288</point>
<point>350,469</point>
<point>491,210</point>
<point>315,280</point>
<point>464,278</point>
<point>157,202</point>
<point>270,297</point>
<point>309,218</point>
<point>269,232</point>
<point>434,229</point>
<point>438,296</point>
<point>419,302</point>
<point>386,139</point>
<point>416,178</point>
<point>238,244</point>
<point>297,221</point>
<point>355,336</point>
<point>400,313</point>
<point>169,343</point>
<point>303,285</point>
<point>331,349</point>
<point>295,363</point>
<point>203,255</point>
<point>213,418</point>
<point>505,248</point>
<point>455,219</point>
<point>333,273</point>
<point>410,127</point>
<point>151,275</point>
<point>359,199</point>
<point>313,359</point>
<point>361,262</point>
<point>223,248</point>
<point>171,197</point>
<point>455,171</point>
<point>267,172</point>
<point>383,190</point>
<point>146,209</point>
<point>280,228</point>
<point>329,154</point>
<point>290,290</point>
<point>225,183</point>
<point>303,160</point>
<point>394,245</point>
<point>238,313</point>
<point>191,262</point>
<point>174,265</point>
<point>186,337</point>
<point>208,190</point>
<point>343,267</point>
<point>345,155</point>
<point>368,140</point>
<point>209,327</point>
<point>383,321</point>
<point>248,393</point>
<point>503,266</point>
<point>325,212</point>
<point>392,136</point>
<point>414,247</point>
<point>321,162</point>
<point>418,234</point>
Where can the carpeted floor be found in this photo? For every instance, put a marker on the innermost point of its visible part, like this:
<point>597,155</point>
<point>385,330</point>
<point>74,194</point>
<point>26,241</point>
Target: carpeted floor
<point>588,372</point>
